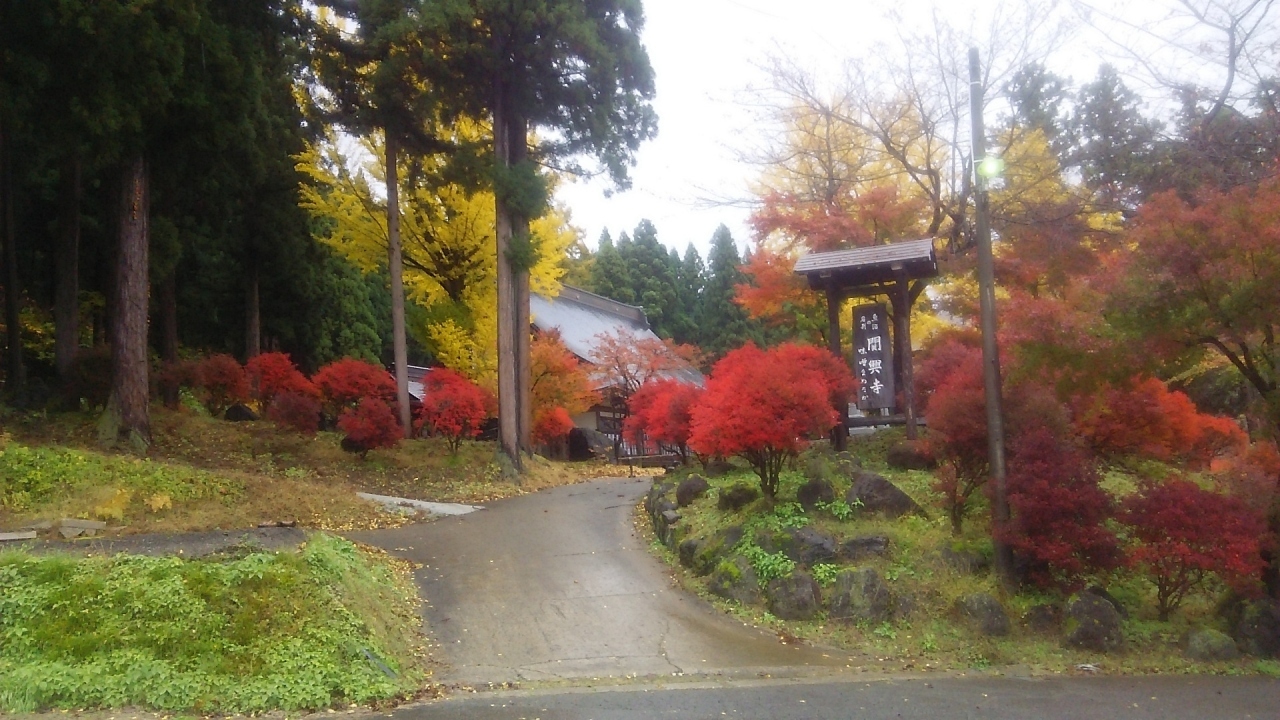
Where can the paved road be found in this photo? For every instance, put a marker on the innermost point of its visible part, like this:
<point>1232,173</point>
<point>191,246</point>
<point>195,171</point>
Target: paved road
<point>555,586</point>
<point>1149,698</point>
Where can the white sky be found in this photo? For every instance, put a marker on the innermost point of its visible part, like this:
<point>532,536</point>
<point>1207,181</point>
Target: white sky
<point>707,56</point>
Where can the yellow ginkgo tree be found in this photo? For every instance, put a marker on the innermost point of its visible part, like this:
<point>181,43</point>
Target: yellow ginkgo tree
<point>450,253</point>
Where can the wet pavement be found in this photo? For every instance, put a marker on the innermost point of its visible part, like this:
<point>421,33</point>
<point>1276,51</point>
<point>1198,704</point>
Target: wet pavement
<point>557,586</point>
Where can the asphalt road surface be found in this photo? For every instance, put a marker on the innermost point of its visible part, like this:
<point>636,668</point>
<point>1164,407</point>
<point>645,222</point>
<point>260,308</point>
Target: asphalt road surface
<point>554,592</point>
<point>555,586</point>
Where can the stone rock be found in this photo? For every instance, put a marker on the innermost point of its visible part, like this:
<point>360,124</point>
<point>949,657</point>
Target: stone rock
<point>1210,645</point>
<point>689,549</point>
<point>712,549</point>
<point>82,524</point>
<point>862,547</point>
<point>665,524</point>
<point>965,561</point>
<point>735,579</point>
<point>737,497</point>
<point>873,493</point>
<point>1102,593</point>
<point>846,465</point>
<point>1258,630</point>
<point>670,517</point>
<point>690,489</point>
<point>817,490</point>
<point>910,456</point>
<point>984,613</point>
<point>903,605</point>
<point>717,468</point>
<point>16,536</point>
<point>794,597</point>
<point>239,413</point>
<point>1043,618</point>
<point>860,595</point>
<point>657,491</point>
<point>807,546</point>
<point>1093,624</point>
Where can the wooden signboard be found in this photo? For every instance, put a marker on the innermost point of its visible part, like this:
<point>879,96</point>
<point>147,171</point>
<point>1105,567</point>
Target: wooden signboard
<point>873,357</point>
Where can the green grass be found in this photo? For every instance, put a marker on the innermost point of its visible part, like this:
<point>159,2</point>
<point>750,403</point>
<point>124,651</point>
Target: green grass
<point>246,634</point>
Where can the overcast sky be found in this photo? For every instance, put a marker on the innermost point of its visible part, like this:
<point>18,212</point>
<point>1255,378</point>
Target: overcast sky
<point>707,57</point>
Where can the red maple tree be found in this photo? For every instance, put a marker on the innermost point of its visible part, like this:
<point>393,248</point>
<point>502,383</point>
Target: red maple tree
<point>453,407</point>
<point>552,426</point>
<point>371,424</point>
<point>344,383</point>
<point>662,411</point>
<point>558,379</point>
<point>1059,512</point>
<point>625,360</point>
<point>760,408</point>
<point>295,410</point>
<point>222,382</point>
<point>1186,534</point>
<point>958,422</point>
<point>271,374</point>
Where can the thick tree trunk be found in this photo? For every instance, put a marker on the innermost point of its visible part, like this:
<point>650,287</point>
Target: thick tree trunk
<point>395,266</point>
<point>252,313</point>
<point>508,360</point>
<point>168,307</point>
<point>835,299</point>
<point>15,369</point>
<point>129,384</point>
<point>66,303</point>
<point>519,151</point>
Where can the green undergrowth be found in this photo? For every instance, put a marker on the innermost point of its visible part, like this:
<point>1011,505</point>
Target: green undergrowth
<point>930,634</point>
<point>326,626</point>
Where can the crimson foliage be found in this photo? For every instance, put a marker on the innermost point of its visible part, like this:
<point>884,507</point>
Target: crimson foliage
<point>453,407</point>
<point>662,411</point>
<point>344,383</point>
<point>762,408</point>
<point>272,374</point>
<point>1059,512</point>
<point>295,410</point>
<point>552,426</point>
<point>958,420</point>
<point>1186,534</point>
<point>369,425</point>
<point>222,382</point>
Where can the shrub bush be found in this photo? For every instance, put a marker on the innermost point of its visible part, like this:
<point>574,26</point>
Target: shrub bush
<point>957,419</point>
<point>762,408</point>
<point>344,383</point>
<point>1059,512</point>
<point>1186,535</point>
<point>370,425</point>
<point>295,410</point>
<point>453,407</point>
<point>272,374</point>
<point>552,426</point>
<point>662,411</point>
<point>222,382</point>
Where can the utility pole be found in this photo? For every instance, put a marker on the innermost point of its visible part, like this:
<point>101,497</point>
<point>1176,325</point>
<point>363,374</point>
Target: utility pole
<point>990,351</point>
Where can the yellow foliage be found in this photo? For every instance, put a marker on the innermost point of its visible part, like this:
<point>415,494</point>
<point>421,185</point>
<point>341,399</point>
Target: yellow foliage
<point>158,502</point>
<point>449,245</point>
<point>115,507</point>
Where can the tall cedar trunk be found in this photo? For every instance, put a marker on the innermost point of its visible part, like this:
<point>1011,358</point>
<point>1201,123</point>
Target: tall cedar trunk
<point>519,151</point>
<point>129,385</point>
<point>508,361</point>
<point>66,303</point>
<point>395,266</point>
<point>15,370</point>
<point>252,312</point>
<point>835,299</point>
<point>168,307</point>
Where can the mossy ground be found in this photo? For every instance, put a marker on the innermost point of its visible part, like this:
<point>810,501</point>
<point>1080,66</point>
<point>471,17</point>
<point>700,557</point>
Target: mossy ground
<point>932,637</point>
<point>329,625</point>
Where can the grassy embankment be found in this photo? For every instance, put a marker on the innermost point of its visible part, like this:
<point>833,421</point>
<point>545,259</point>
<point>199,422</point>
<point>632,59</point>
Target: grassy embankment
<point>326,626</point>
<point>931,636</point>
<point>201,474</point>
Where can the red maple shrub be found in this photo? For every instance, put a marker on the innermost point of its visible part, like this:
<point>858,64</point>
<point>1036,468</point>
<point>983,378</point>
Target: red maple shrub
<point>371,424</point>
<point>453,407</point>
<point>662,411</point>
<point>344,383</point>
<point>760,408</point>
<point>222,382</point>
<point>272,374</point>
<point>552,426</point>
<point>1059,513</point>
<point>1186,535</point>
<point>295,410</point>
<point>947,350</point>
<point>1147,419</point>
<point>958,423</point>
